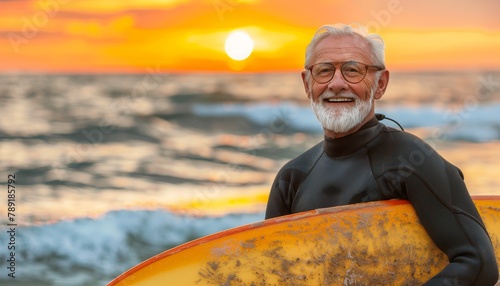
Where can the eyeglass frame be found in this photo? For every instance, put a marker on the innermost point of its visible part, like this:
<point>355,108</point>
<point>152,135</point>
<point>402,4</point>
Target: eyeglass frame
<point>343,76</point>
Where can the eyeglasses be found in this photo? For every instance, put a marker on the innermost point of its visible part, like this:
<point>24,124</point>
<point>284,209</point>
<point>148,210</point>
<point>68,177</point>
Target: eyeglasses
<point>353,72</point>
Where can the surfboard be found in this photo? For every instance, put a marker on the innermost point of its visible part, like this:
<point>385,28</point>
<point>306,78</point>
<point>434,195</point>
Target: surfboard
<point>376,243</point>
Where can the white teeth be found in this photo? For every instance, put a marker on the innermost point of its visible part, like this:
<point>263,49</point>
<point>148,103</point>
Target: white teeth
<point>339,99</point>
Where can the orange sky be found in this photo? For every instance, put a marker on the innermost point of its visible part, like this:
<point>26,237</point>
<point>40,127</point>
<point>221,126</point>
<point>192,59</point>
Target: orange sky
<point>189,35</point>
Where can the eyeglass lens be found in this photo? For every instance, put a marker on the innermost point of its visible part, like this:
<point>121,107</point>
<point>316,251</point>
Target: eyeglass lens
<point>352,72</point>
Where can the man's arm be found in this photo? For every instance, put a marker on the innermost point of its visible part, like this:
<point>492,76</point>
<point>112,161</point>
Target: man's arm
<point>288,181</point>
<point>446,211</point>
<point>278,204</point>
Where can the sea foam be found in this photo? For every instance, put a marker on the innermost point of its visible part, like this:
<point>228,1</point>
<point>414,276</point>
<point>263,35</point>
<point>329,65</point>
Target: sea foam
<point>93,251</point>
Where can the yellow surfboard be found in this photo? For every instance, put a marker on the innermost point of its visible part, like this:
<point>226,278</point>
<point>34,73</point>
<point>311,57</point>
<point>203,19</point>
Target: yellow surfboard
<point>377,243</point>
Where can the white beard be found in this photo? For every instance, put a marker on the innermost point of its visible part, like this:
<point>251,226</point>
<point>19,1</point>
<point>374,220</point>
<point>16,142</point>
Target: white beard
<point>342,119</point>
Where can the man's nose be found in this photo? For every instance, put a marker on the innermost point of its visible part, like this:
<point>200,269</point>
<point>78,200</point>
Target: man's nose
<point>337,83</point>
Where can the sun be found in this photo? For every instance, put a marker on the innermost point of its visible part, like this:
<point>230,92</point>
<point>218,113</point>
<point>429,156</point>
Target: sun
<point>239,45</point>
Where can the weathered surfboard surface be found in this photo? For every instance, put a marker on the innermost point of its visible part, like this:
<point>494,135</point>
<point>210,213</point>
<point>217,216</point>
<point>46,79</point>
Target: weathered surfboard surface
<point>378,243</point>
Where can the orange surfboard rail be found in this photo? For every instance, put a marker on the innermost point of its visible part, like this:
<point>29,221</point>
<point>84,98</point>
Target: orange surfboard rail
<point>365,244</point>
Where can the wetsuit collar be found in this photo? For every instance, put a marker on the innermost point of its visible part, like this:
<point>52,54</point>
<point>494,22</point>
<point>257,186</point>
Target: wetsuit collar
<point>346,145</point>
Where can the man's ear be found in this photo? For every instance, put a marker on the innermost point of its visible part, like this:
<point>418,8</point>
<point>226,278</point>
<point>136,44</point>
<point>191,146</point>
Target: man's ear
<point>383,81</point>
<point>306,83</point>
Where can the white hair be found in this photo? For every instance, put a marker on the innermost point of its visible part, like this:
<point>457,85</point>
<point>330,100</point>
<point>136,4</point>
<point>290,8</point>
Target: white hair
<point>374,41</point>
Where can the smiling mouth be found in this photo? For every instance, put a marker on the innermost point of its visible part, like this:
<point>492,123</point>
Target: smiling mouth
<point>339,99</point>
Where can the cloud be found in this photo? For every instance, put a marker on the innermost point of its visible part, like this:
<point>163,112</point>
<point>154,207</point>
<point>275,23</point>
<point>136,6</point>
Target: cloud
<point>99,6</point>
<point>96,29</point>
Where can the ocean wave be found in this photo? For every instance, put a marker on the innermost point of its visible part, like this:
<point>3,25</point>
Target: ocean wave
<point>93,251</point>
<point>277,117</point>
<point>476,123</point>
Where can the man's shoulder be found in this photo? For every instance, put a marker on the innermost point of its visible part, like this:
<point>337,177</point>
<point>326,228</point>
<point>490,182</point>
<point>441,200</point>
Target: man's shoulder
<point>402,142</point>
<point>305,160</point>
<point>395,149</point>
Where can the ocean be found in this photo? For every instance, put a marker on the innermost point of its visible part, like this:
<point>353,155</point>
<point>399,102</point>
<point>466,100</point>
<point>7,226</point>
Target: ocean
<point>113,169</point>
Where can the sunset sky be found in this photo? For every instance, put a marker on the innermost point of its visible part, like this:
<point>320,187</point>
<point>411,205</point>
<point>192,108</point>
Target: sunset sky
<point>189,35</point>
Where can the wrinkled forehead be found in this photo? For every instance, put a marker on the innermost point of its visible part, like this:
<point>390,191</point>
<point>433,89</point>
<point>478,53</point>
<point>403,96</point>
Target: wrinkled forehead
<point>342,49</point>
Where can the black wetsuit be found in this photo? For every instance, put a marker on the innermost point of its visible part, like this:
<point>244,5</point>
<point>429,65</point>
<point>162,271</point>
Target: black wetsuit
<point>381,163</point>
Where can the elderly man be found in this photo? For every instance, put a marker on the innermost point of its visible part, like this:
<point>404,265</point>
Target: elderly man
<point>362,160</point>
